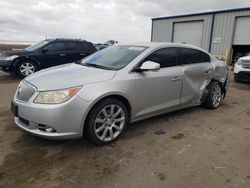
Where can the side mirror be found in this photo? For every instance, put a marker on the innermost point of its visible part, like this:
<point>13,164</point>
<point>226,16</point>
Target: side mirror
<point>149,66</point>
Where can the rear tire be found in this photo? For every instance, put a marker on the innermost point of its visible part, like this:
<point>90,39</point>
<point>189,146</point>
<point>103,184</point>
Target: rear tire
<point>106,121</point>
<point>214,96</point>
<point>26,68</point>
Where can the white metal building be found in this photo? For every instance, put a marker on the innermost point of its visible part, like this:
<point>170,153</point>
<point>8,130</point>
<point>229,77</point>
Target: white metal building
<point>224,33</point>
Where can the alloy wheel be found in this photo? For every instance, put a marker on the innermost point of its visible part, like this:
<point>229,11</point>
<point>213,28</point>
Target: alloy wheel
<point>27,69</point>
<point>217,95</point>
<point>109,122</point>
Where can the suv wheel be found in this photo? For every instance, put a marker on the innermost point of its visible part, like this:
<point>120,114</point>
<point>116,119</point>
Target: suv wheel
<point>214,96</point>
<point>107,121</point>
<point>25,68</point>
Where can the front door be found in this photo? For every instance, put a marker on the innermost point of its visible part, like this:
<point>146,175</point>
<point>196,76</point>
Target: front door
<point>53,54</point>
<point>161,90</point>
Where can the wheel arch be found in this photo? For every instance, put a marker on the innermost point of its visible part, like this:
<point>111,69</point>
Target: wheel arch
<point>120,97</point>
<point>222,84</point>
<point>205,93</point>
<point>22,58</point>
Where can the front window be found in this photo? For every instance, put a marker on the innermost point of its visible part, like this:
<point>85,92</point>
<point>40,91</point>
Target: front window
<point>37,45</point>
<point>114,58</point>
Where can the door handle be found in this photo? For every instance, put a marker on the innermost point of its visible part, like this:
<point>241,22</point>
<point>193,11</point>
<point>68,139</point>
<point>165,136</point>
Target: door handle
<point>82,54</point>
<point>176,79</point>
<point>62,54</point>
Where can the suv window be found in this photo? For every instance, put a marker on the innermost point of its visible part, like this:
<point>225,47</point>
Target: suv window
<point>73,46</point>
<point>191,56</point>
<point>88,47</point>
<point>55,46</point>
<point>165,57</point>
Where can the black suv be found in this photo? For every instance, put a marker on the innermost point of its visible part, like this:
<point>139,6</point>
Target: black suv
<point>47,53</point>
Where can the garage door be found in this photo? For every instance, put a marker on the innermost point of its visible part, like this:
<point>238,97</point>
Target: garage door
<point>242,31</point>
<point>188,32</point>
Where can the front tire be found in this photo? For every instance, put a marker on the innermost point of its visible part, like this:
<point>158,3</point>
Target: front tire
<point>26,68</point>
<point>106,121</point>
<point>214,96</point>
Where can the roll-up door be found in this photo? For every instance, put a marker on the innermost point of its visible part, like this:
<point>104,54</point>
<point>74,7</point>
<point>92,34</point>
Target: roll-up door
<point>242,31</point>
<point>188,32</point>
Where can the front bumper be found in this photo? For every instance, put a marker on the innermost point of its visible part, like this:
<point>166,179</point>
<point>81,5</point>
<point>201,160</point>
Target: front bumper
<point>5,63</point>
<point>243,76</point>
<point>67,119</point>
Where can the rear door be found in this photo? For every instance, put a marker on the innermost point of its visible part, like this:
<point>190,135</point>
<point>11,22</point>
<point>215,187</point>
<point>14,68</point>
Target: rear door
<point>197,73</point>
<point>74,51</point>
<point>160,90</point>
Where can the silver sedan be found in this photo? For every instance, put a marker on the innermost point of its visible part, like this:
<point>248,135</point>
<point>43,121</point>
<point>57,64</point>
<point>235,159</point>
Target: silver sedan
<point>106,91</point>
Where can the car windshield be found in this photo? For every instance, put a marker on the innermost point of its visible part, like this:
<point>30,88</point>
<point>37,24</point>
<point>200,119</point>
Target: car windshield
<point>37,45</point>
<point>114,57</point>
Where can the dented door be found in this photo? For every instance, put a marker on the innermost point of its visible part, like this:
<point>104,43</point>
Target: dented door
<point>195,79</point>
<point>197,72</point>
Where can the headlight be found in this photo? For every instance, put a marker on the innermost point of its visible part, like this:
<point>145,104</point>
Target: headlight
<point>239,62</point>
<point>57,96</point>
<point>10,58</point>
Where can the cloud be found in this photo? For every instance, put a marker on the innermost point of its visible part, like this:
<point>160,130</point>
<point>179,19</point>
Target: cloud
<point>94,20</point>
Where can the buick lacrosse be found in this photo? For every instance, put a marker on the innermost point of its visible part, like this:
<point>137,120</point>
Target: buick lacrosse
<point>100,95</point>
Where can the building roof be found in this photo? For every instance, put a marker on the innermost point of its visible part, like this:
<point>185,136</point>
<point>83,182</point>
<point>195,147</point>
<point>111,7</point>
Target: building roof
<point>203,13</point>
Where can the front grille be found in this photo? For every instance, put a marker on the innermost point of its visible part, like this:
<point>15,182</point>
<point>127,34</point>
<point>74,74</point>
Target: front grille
<point>24,91</point>
<point>246,64</point>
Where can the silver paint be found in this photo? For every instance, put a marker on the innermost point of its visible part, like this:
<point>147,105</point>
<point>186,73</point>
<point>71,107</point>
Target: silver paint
<point>148,93</point>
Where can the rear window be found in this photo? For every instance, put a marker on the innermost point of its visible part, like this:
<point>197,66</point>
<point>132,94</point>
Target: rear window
<point>88,47</point>
<point>192,56</point>
<point>72,45</point>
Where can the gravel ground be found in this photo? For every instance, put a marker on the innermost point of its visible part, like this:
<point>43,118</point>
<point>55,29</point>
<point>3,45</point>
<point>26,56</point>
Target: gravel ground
<point>198,148</point>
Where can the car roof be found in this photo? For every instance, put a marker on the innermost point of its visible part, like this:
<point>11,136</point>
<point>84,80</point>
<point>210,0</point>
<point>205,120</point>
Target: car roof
<point>162,45</point>
<point>158,44</point>
<point>66,39</point>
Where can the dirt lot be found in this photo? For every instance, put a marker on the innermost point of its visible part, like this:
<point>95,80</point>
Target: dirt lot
<point>200,148</point>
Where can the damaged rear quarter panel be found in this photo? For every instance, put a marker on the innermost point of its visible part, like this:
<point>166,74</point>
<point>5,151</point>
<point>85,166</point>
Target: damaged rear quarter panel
<point>196,77</point>
<point>220,71</point>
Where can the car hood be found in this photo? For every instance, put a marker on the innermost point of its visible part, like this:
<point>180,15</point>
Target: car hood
<point>15,52</point>
<point>245,58</point>
<point>68,75</point>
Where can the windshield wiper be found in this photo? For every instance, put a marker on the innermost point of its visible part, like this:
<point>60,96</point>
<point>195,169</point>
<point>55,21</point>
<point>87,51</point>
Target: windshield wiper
<point>96,66</point>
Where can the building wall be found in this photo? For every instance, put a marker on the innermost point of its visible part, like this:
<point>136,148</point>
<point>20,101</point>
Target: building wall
<point>223,30</point>
<point>224,27</point>
<point>162,30</point>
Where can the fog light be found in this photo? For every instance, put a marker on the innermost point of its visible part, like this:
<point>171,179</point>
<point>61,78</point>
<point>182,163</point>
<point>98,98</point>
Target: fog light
<point>50,130</point>
<point>46,128</point>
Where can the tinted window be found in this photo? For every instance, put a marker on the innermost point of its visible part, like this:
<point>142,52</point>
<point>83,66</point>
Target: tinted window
<point>72,46</point>
<point>55,46</point>
<point>191,56</point>
<point>88,47</point>
<point>165,57</point>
